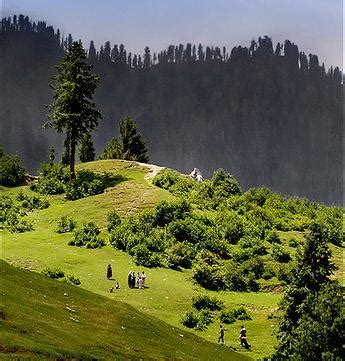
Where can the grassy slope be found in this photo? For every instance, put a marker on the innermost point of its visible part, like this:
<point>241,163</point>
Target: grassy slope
<point>47,318</point>
<point>170,292</point>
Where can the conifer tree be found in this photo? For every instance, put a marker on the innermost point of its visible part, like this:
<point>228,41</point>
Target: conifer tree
<point>132,142</point>
<point>86,149</point>
<point>72,111</point>
<point>308,280</point>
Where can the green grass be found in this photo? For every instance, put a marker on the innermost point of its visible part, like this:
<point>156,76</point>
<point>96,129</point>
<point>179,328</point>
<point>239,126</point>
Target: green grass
<point>170,292</point>
<point>43,318</point>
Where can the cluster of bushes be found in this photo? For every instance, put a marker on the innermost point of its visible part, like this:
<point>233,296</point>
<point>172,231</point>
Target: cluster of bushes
<point>54,179</point>
<point>87,236</point>
<point>205,309</point>
<point>58,274</point>
<point>207,194</point>
<point>222,191</point>
<point>32,202</point>
<point>12,171</point>
<point>10,216</point>
<point>65,224</point>
<point>224,248</point>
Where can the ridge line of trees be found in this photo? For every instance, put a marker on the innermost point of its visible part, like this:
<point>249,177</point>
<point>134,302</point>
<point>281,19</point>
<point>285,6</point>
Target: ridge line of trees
<point>180,54</point>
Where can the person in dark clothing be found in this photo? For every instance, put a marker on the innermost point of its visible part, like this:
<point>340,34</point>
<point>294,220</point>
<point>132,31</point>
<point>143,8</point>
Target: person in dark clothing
<point>221,334</point>
<point>243,338</point>
<point>109,272</point>
<point>129,280</point>
<point>133,279</point>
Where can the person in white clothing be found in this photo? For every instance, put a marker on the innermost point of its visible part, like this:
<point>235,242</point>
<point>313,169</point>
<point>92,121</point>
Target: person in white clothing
<point>143,277</point>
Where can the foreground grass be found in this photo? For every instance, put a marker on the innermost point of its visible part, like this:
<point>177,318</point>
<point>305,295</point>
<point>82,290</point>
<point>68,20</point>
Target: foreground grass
<point>45,318</point>
<point>169,292</point>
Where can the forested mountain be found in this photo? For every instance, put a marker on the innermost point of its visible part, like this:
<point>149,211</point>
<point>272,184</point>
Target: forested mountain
<point>270,115</point>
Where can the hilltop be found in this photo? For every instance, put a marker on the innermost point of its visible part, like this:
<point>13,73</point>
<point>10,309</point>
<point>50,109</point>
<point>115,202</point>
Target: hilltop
<point>169,293</point>
<point>260,110</point>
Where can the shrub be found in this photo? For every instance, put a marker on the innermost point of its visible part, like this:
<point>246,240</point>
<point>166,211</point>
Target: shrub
<point>72,280</point>
<point>166,212</point>
<point>293,242</point>
<point>33,202</point>
<point>224,184</point>
<point>199,320</point>
<point>188,229</point>
<point>166,178</point>
<point>142,255</point>
<point>49,186</point>
<point>272,236</point>
<point>113,219</point>
<point>87,183</point>
<point>206,302</point>
<point>120,236</point>
<point>279,254</point>
<point>180,254</point>
<point>190,319</point>
<point>65,224</point>
<point>231,316</point>
<point>12,171</point>
<point>88,236</point>
<point>54,273</point>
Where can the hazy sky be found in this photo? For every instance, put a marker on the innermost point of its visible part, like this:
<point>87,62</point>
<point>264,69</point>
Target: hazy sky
<point>314,25</point>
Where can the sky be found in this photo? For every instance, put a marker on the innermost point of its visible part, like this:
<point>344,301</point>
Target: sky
<point>316,26</point>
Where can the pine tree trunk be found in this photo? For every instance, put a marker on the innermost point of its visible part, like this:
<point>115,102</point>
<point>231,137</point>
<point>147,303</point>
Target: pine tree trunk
<point>72,155</point>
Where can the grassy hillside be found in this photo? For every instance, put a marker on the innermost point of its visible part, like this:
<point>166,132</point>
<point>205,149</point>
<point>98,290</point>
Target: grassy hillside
<point>46,318</point>
<point>169,292</point>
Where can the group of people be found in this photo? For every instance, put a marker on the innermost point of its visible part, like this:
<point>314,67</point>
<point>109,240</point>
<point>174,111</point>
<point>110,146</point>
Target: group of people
<point>242,337</point>
<point>136,281</point>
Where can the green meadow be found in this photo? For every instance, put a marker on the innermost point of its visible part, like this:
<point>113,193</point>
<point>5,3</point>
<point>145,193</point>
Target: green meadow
<point>36,320</point>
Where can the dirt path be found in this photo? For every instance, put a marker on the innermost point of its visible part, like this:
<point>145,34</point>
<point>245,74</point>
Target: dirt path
<point>153,170</point>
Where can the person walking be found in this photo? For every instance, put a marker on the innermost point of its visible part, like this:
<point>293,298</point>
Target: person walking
<point>109,272</point>
<point>221,334</point>
<point>243,337</point>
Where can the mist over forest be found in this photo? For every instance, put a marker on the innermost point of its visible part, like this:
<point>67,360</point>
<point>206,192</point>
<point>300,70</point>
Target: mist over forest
<point>268,113</point>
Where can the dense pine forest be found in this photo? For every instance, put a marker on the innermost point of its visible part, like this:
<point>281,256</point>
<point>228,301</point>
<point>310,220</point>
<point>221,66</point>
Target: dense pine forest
<point>268,113</point>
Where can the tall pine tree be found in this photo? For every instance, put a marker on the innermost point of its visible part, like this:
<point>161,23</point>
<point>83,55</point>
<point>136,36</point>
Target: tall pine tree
<point>72,111</point>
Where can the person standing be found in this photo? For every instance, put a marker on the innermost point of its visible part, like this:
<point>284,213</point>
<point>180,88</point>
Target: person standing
<point>140,283</point>
<point>129,279</point>
<point>143,277</point>
<point>221,334</point>
<point>109,272</point>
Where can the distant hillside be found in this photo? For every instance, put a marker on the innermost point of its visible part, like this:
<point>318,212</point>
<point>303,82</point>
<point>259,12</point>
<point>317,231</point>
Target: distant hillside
<point>271,115</point>
<point>42,318</point>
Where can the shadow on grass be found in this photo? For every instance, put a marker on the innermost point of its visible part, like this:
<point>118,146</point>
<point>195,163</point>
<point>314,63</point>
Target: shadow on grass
<point>111,180</point>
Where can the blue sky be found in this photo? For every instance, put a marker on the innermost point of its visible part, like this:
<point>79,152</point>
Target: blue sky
<point>314,25</point>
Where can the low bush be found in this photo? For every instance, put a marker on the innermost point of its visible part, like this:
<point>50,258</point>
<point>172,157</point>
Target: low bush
<point>293,242</point>
<point>65,224</point>
<point>72,280</point>
<point>54,273</point>
<point>12,171</point>
<point>197,319</point>
<point>206,302</point>
<point>87,236</point>
<point>279,254</point>
<point>9,217</point>
<point>230,316</point>
<point>33,202</point>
